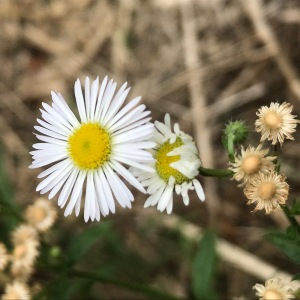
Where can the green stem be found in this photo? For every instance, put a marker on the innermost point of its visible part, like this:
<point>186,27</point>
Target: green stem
<point>145,290</point>
<point>220,173</point>
<point>230,146</point>
<point>290,217</point>
<point>276,161</point>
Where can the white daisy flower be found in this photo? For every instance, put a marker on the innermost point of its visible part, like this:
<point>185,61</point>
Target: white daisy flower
<point>88,154</point>
<point>176,164</point>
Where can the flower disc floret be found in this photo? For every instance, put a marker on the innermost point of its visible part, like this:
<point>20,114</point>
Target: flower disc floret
<point>90,146</point>
<point>163,162</point>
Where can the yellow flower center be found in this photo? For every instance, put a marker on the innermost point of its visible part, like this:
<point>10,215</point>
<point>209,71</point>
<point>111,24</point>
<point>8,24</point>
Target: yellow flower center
<point>272,294</point>
<point>251,164</point>
<point>20,251</point>
<point>273,120</point>
<point>163,162</point>
<point>267,190</point>
<point>90,146</point>
<point>38,214</point>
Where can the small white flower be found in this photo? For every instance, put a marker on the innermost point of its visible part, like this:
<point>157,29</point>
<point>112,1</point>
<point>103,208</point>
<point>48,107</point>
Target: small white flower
<point>3,256</point>
<point>41,215</point>
<point>276,123</point>
<point>176,164</point>
<point>267,191</point>
<point>16,290</point>
<point>251,162</point>
<point>23,258</point>
<point>24,233</point>
<point>89,154</point>
<point>274,289</point>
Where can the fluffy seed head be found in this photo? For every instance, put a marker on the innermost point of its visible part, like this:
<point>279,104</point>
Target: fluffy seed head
<point>274,289</point>
<point>276,123</point>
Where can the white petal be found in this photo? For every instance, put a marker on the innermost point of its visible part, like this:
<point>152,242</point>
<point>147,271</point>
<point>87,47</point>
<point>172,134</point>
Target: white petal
<point>107,97</point>
<point>94,94</point>
<point>132,116</point>
<point>153,187</point>
<point>58,186</point>
<point>116,103</point>
<point>50,133</point>
<point>100,99</point>
<point>154,198</point>
<point>69,115</point>
<point>163,128</point>
<point>90,198</point>
<point>53,128</point>
<point>186,199</point>
<point>78,204</point>
<point>107,191</point>
<point>139,145</point>
<point>56,116</point>
<point>137,134</point>
<point>55,123</point>
<point>132,163</point>
<point>165,198</point>
<point>127,175</point>
<point>51,140</point>
<point>199,189</point>
<point>135,124</point>
<point>80,101</point>
<point>42,154</point>
<point>55,175</point>
<point>167,120</point>
<point>124,110</point>
<point>66,191</point>
<point>101,197</point>
<point>97,210</point>
<point>121,192</point>
<point>170,205</point>
<point>59,166</point>
<point>140,156</point>
<point>87,97</point>
<point>178,189</point>
<point>47,146</point>
<point>77,190</point>
<point>44,162</point>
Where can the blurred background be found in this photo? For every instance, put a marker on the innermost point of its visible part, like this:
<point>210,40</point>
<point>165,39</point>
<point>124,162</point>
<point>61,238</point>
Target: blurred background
<point>203,62</point>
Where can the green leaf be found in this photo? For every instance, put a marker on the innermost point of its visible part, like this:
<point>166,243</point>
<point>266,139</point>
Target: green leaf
<point>295,209</point>
<point>10,215</point>
<point>288,246</point>
<point>204,266</point>
<point>138,288</point>
<point>292,232</point>
<point>296,277</point>
<point>82,242</point>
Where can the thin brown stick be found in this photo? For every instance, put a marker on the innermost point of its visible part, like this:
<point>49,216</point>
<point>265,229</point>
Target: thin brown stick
<point>198,102</point>
<point>255,11</point>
